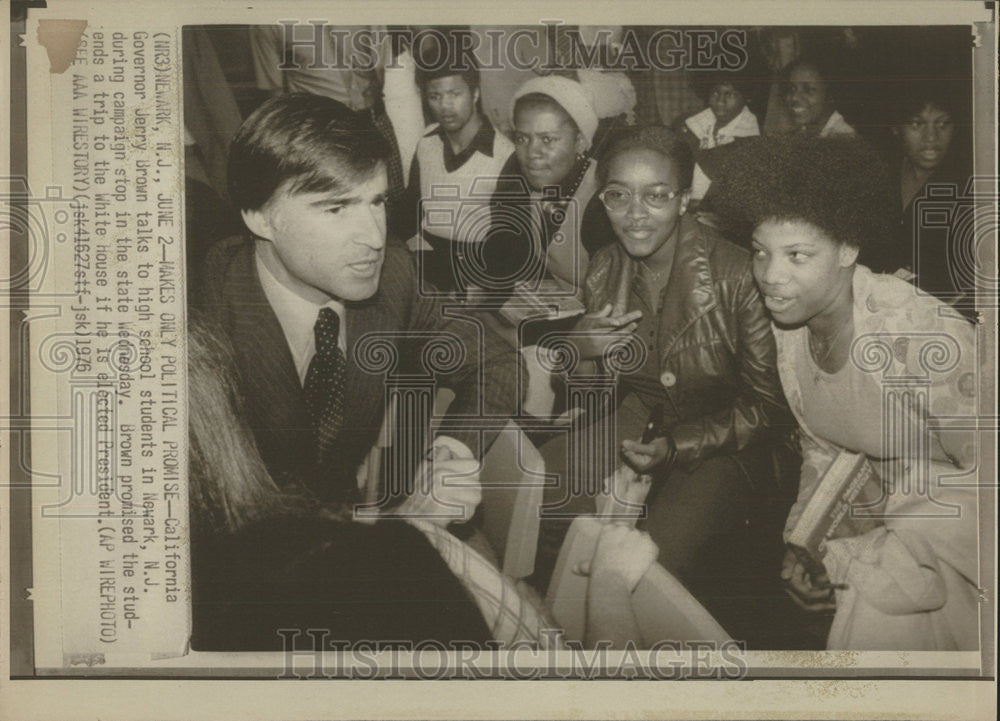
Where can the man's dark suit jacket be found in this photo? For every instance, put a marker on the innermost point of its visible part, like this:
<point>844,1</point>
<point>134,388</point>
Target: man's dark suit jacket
<point>231,294</point>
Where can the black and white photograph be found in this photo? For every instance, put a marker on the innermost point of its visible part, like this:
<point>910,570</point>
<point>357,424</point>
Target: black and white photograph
<point>514,347</point>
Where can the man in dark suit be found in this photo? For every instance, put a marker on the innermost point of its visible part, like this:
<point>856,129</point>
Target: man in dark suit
<point>311,278</point>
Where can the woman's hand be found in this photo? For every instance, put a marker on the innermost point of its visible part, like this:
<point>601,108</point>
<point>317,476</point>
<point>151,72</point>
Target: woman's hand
<point>622,557</point>
<point>811,594</point>
<point>601,329</point>
<point>644,457</point>
<point>446,486</point>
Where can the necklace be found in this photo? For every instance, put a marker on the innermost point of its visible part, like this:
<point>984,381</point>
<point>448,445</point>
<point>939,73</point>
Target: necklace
<point>653,274</point>
<point>828,346</point>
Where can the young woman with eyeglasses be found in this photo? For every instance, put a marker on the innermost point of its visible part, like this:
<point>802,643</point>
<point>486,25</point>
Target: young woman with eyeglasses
<point>688,297</point>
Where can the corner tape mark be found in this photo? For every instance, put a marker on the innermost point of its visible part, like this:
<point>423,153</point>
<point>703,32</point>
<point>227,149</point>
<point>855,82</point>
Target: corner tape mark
<point>61,39</point>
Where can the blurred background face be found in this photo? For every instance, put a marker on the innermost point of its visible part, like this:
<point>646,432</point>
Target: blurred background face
<point>800,269</point>
<point>651,218</point>
<point>546,142</point>
<point>926,137</point>
<point>726,103</point>
<point>806,96</point>
<point>452,102</point>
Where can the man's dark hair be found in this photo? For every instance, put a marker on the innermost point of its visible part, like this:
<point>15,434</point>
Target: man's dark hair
<point>294,139</point>
<point>658,138</point>
<point>837,184</point>
<point>448,58</point>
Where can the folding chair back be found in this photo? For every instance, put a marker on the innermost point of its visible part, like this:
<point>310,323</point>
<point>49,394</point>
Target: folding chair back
<point>664,609</point>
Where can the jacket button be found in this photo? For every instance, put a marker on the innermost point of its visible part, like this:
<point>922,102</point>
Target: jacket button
<point>668,379</point>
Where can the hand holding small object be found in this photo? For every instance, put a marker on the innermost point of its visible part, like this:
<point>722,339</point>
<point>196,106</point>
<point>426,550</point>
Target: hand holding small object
<point>624,493</point>
<point>644,457</point>
<point>810,593</point>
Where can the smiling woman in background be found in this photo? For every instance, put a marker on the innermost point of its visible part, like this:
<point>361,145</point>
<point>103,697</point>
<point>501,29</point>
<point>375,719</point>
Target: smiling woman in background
<point>810,99</point>
<point>911,582</point>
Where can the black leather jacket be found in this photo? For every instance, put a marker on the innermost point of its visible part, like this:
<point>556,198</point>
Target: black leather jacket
<point>713,341</point>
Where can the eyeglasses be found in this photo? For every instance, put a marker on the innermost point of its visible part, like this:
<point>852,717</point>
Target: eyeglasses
<point>655,197</point>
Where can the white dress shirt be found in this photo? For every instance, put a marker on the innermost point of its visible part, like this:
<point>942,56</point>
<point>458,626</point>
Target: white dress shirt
<point>297,317</point>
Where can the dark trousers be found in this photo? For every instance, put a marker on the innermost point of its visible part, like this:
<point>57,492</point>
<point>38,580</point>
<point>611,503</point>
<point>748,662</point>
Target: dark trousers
<point>688,516</point>
<point>718,528</point>
<point>695,515</point>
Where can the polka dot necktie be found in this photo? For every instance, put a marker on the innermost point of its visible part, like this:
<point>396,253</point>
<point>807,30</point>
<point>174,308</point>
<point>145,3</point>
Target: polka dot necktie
<point>325,382</point>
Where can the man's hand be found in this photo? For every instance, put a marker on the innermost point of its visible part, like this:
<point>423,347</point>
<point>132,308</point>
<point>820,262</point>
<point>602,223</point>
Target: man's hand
<point>623,555</point>
<point>811,594</point>
<point>446,486</point>
<point>602,329</point>
<point>644,457</point>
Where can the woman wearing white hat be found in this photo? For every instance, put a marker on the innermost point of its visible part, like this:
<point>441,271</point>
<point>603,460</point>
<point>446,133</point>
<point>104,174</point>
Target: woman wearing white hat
<point>535,225</point>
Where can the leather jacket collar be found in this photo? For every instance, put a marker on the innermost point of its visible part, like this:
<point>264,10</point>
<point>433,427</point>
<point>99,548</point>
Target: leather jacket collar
<point>690,292</point>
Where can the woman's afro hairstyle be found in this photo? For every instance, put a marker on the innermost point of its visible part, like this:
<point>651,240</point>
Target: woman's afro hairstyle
<point>838,185</point>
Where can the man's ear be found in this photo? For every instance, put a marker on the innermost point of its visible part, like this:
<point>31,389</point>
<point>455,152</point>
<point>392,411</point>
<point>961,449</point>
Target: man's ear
<point>848,255</point>
<point>475,97</point>
<point>581,143</point>
<point>258,222</point>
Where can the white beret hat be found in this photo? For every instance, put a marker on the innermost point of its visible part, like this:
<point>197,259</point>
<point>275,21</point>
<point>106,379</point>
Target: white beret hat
<point>576,100</point>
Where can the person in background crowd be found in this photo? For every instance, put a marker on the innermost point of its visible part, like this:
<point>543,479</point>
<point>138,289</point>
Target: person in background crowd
<point>931,150</point>
<point>324,62</point>
<point>401,96</point>
<point>726,118</point>
<point>810,98</point>
<point>686,294</point>
<point>911,582</point>
<point>312,275</point>
<point>554,124</point>
<point>580,52</point>
<point>460,155</point>
<point>211,118</point>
